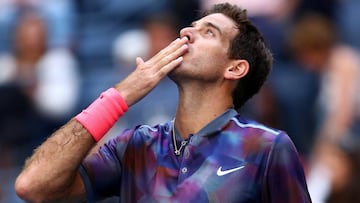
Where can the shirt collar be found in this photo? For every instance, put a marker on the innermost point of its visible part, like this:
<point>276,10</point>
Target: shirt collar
<point>214,125</point>
<point>217,123</point>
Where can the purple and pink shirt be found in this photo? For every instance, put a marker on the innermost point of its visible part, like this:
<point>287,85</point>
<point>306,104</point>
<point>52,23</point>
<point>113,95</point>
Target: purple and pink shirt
<point>232,159</point>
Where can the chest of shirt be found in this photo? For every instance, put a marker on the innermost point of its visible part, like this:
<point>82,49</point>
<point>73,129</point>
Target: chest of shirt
<point>222,167</point>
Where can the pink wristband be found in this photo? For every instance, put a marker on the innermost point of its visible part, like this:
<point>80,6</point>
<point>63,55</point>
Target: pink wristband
<point>102,114</point>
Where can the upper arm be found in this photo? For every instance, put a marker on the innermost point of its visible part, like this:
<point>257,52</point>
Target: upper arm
<point>100,172</point>
<point>285,178</point>
<point>77,191</point>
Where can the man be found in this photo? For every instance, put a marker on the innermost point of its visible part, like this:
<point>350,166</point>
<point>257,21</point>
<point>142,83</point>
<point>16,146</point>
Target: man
<point>208,153</point>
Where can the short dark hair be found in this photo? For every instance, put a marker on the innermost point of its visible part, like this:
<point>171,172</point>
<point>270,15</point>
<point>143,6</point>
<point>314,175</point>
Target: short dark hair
<point>249,45</point>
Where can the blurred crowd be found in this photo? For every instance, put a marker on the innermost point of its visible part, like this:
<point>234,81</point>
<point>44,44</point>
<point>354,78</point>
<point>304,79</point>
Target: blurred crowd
<point>56,56</point>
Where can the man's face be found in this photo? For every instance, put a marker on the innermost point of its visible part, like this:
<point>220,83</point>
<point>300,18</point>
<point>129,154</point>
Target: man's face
<point>209,40</point>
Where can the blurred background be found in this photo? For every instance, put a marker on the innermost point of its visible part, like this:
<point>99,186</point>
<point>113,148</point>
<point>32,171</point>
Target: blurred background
<point>56,56</point>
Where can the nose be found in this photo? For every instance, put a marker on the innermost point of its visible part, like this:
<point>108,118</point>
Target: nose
<point>187,32</point>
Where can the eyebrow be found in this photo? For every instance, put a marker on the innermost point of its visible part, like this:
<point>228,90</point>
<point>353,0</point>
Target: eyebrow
<point>209,24</point>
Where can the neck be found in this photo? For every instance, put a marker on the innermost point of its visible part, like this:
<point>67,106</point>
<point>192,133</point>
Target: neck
<point>199,105</point>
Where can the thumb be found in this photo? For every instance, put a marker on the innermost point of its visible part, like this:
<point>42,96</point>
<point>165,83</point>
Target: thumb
<point>139,61</point>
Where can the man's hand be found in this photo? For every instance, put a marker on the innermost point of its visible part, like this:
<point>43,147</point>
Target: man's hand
<point>149,73</point>
<point>51,173</point>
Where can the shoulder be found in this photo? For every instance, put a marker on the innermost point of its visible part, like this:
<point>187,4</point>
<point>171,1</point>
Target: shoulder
<point>144,133</point>
<point>248,126</point>
<point>132,137</point>
<point>344,59</point>
<point>267,137</point>
<point>255,137</point>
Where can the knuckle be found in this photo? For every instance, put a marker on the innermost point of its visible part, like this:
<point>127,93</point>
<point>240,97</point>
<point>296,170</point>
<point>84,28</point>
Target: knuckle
<point>162,51</point>
<point>161,74</point>
<point>146,65</point>
<point>166,58</point>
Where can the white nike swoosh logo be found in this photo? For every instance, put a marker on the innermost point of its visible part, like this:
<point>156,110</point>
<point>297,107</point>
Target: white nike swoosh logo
<point>220,172</point>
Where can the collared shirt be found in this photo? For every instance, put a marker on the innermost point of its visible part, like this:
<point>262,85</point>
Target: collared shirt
<point>232,159</point>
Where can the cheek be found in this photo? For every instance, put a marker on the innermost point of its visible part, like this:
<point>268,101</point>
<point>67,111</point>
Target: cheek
<point>206,56</point>
<point>218,59</point>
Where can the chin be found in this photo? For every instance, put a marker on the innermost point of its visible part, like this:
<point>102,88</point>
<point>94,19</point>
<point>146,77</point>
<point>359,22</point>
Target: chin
<point>177,73</point>
<point>172,74</point>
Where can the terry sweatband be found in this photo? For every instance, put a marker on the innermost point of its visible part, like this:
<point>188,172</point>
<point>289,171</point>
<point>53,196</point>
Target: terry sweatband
<point>102,114</point>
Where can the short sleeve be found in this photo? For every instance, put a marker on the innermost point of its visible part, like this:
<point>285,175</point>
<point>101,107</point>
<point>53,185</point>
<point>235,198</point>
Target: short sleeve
<point>101,171</point>
<point>285,179</point>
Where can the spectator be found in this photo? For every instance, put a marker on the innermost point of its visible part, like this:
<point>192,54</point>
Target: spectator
<point>346,178</point>
<point>315,44</point>
<point>38,87</point>
<point>60,19</point>
<point>337,179</point>
<point>44,74</point>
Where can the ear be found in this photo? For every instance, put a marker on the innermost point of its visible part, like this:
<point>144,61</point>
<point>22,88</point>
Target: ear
<point>237,69</point>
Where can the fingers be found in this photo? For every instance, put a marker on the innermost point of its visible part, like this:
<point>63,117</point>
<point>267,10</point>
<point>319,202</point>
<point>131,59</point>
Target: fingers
<point>172,56</point>
<point>170,66</point>
<point>149,73</point>
<point>164,61</point>
<point>171,52</point>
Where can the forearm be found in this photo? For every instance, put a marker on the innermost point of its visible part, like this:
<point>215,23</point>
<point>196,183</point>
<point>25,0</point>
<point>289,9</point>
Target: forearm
<point>51,172</point>
<point>52,169</point>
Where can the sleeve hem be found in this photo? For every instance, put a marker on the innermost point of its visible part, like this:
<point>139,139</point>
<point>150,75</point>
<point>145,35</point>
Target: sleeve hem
<point>87,183</point>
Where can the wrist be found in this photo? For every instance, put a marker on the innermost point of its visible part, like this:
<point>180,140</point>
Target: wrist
<point>102,114</point>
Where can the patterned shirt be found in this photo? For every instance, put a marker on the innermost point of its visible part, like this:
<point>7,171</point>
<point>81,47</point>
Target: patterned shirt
<point>232,159</point>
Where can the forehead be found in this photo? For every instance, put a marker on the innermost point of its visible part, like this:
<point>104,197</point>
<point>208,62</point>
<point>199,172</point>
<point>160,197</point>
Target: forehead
<point>224,23</point>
